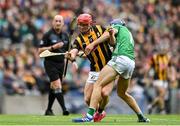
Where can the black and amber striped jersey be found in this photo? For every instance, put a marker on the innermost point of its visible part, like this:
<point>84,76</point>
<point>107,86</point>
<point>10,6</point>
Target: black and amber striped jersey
<point>160,63</point>
<point>101,54</point>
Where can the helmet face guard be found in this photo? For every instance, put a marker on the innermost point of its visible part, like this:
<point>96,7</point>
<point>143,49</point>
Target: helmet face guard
<point>118,21</point>
<point>84,19</point>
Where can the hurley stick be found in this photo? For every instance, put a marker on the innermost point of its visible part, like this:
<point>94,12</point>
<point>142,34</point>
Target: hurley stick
<point>47,53</point>
<point>72,28</point>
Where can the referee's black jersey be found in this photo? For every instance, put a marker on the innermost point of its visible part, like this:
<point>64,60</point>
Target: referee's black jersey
<point>51,38</point>
<point>101,54</point>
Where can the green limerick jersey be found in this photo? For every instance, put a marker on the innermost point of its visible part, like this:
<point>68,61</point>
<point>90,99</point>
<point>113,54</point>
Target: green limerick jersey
<point>124,42</point>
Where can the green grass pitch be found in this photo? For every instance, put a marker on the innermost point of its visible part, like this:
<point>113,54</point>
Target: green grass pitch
<point>66,120</point>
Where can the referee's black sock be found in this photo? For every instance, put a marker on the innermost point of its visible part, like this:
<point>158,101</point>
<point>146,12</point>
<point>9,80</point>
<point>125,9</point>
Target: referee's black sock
<point>60,98</point>
<point>51,99</point>
<point>140,116</point>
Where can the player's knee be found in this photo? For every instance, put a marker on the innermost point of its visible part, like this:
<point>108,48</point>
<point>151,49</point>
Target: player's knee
<point>87,100</point>
<point>121,94</point>
<point>97,86</point>
<point>105,93</point>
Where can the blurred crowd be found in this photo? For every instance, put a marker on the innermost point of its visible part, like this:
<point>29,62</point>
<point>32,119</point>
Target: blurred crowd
<point>23,22</point>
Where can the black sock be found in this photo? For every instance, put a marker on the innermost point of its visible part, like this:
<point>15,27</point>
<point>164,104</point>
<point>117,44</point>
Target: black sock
<point>100,110</point>
<point>60,98</point>
<point>51,99</point>
<point>140,115</point>
<point>161,110</point>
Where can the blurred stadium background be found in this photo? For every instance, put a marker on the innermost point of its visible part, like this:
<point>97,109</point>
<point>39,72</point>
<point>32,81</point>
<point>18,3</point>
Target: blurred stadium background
<point>23,82</point>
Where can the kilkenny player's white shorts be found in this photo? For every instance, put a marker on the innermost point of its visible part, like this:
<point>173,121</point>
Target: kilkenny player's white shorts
<point>93,76</point>
<point>160,83</point>
<point>123,65</point>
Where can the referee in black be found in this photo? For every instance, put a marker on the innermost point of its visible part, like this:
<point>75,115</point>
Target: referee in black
<point>55,41</point>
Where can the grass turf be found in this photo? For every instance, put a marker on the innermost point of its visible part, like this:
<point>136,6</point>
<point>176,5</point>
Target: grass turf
<point>67,120</point>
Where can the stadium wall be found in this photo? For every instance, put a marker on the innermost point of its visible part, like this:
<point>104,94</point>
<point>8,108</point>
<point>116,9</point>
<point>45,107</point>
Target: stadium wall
<point>37,104</point>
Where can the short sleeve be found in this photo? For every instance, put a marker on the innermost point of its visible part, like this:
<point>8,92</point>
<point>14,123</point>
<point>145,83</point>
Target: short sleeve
<point>43,41</point>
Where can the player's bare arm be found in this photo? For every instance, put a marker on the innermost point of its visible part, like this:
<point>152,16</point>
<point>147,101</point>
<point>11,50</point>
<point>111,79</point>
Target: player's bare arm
<point>71,55</point>
<point>112,39</point>
<point>101,39</point>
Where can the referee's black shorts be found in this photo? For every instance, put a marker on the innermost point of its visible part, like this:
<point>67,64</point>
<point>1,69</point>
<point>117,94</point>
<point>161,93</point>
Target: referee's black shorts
<point>54,70</point>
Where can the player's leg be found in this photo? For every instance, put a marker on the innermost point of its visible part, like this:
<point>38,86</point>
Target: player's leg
<point>105,97</point>
<point>122,87</point>
<point>159,100</point>
<point>106,76</point>
<point>106,90</point>
<point>100,113</point>
<point>87,92</point>
<point>125,67</point>
<point>92,77</point>
<point>162,92</point>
